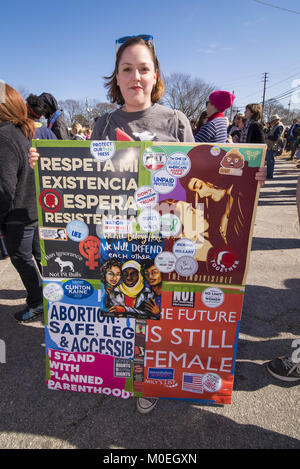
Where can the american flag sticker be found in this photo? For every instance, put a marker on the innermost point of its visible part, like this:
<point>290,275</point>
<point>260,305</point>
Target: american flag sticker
<point>192,382</point>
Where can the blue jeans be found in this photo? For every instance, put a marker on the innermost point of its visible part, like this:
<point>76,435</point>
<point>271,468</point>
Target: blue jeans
<point>270,157</point>
<point>22,244</point>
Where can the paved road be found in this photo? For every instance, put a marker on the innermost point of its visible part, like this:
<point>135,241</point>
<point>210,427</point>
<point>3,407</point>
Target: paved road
<point>264,412</point>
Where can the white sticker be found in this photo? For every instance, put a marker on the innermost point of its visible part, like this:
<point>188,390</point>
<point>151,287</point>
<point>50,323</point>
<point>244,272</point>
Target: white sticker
<point>215,151</point>
<point>77,230</point>
<point>184,247</point>
<point>163,182</point>
<point>53,292</point>
<point>154,158</point>
<point>170,225</point>
<point>211,382</point>
<point>112,226</point>
<point>146,197</point>
<point>178,164</point>
<point>186,266</point>
<point>165,262</point>
<point>102,150</point>
<point>149,220</point>
<point>212,297</point>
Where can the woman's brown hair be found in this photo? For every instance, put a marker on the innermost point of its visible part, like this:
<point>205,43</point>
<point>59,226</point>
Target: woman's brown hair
<point>256,110</point>
<point>13,109</point>
<point>114,92</point>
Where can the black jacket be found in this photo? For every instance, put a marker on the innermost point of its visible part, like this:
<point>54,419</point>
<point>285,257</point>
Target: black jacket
<point>60,128</point>
<point>17,189</point>
<point>255,133</point>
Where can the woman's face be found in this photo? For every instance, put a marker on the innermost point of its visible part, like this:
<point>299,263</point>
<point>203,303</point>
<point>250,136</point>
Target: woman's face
<point>153,275</point>
<point>130,276</point>
<point>136,77</point>
<point>113,275</point>
<point>248,114</point>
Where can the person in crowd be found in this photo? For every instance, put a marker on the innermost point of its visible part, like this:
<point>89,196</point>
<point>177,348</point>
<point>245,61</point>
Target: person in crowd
<point>88,133</point>
<point>272,138</point>
<point>252,131</point>
<point>215,129</point>
<point>3,250</point>
<point>234,125</point>
<point>77,131</point>
<point>35,110</point>
<point>194,125</point>
<point>136,86</point>
<point>236,135</point>
<point>18,213</point>
<point>291,137</point>
<point>55,117</point>
<point>234,130</point>
<point>287,368</point>
<point>296,141</point>
<point>201,122</point>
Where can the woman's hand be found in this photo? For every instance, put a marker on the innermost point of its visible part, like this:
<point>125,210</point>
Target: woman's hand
<point>152,307</point>
<point>33,156</point>
<point>261,175</point>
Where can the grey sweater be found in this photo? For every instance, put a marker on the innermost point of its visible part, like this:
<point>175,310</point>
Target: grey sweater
<point>156,123</point>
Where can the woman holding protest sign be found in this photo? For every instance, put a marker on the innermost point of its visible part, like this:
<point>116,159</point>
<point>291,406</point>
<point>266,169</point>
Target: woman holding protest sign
<point>136,86</point>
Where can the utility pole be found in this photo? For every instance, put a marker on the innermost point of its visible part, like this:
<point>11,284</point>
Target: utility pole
<point>88,110</point>
<point>264,94</point>
<point>289,106</point>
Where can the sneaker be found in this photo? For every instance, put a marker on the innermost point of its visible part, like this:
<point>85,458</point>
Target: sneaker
<point>144,405</point>
<point>30,314</point>
<point>284,369</point>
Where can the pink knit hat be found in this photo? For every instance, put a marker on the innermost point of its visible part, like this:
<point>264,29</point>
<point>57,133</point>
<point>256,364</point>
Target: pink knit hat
<point>221,99</point>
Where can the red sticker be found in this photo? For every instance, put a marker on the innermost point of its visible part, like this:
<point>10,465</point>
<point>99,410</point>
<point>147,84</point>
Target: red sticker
<point>90,249</point>
<point>223,260</point>
<point>50,200</point>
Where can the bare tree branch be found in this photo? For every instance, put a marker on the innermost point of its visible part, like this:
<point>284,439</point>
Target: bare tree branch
<point>187,94</point>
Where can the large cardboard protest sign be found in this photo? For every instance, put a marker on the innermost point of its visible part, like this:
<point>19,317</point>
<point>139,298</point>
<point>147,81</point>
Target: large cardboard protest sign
<point>145,249</point>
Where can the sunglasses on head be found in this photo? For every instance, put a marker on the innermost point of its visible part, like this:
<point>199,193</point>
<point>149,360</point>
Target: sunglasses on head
<point>122,40</point>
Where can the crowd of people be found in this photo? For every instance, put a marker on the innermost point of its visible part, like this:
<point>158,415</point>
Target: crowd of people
<point>249,128</point>
<point>136,86</point>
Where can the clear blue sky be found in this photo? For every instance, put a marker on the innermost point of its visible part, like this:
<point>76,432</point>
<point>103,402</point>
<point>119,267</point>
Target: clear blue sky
<point>65,47</point>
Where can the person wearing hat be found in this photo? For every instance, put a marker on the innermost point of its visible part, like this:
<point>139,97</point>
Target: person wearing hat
<point>55,117</point>
<point>35,110</point>
<point>215,129</point>
<point>272,138</point>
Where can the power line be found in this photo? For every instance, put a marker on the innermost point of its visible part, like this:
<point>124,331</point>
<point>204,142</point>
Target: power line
<point>278,82</point>
<point>275,6</point>
<point>285,95</point>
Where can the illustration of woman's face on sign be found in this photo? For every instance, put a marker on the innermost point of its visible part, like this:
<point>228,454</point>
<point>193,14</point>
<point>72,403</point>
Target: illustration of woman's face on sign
<point>130,276</point>
<point>113,275</point>
<point>153,276</point>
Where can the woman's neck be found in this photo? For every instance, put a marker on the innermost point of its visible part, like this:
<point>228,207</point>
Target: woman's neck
<point>130,108</point>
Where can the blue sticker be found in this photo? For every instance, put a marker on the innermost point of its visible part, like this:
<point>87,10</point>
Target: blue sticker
<point>77,230</point>
<point>78,289</point>
<point>159,373</point>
